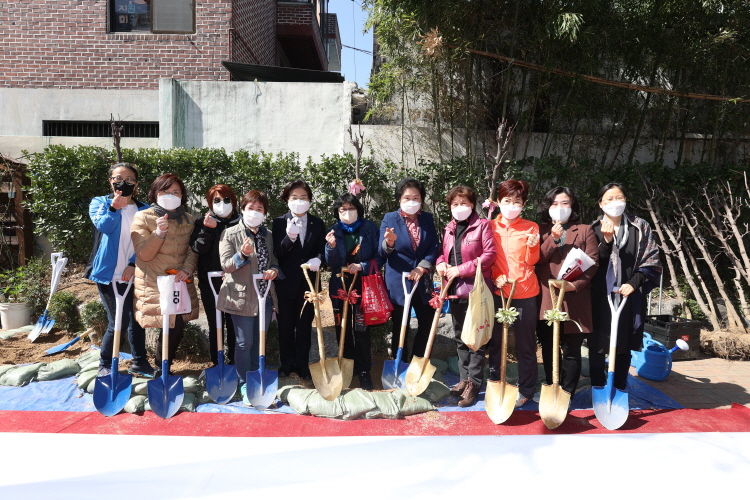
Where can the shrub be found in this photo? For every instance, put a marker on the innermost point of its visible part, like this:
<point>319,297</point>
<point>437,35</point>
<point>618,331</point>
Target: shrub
<point>36,278</point>
<point>193,343</point>
<point>63,307</point>
<point>94,315</point>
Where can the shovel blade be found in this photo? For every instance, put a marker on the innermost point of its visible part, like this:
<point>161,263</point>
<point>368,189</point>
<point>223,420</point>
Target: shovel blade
<point>327,378</point>
<point>262,387</point>
<point>62,347</point>
<point>38,327</point>
<point>500,401</point>
<point>112,392</point>
<point>221,382</point>
<point>611,406</point>
<point>553,405</point>
<point>347,369</point>
<point>394,372</point>
<point>165,394</point>
<point>48,324</point>
<point>419,375</point>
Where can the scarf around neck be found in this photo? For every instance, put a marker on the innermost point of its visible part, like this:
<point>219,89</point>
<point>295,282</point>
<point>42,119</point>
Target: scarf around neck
<point>179,214</point>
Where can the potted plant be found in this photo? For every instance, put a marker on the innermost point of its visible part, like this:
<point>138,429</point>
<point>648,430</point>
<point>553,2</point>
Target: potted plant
<point>14,312</point>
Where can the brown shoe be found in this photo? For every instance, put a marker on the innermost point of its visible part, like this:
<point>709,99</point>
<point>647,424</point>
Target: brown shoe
<point>457,389</point>
<point>469,395</point>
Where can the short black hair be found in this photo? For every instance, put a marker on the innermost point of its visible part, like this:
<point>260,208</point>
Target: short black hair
<point>409,182</point>
<point>608,187</point>
<point>348,198</point>
<point>549,198</point>
<point>129,166</point>
<point>299,183</point>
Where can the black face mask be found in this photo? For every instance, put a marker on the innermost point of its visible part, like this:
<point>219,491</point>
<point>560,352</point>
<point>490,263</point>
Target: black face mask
<point>124,187</point>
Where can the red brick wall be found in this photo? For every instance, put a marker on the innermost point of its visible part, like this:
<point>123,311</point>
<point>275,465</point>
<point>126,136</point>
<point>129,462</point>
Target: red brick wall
<point>254,38</point>
<point>65,44</point>
<point>302,15</point>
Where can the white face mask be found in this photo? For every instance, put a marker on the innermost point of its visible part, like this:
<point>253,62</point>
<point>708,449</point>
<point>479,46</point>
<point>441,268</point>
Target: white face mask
<point>253,218</point>
<point>614,208</point>
<point>560,214</point>
<point>298,207</point>
<point>411,207</point>
<point>349,217</point>
<point>168,201</point>
<point>222,209</point>
<point>461,212</point>
<point>510,212</point>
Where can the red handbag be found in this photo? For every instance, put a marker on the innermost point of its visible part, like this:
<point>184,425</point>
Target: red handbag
<point>375,306</point>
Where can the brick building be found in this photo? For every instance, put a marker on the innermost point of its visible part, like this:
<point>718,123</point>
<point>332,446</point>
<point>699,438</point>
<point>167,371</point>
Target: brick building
<point>115,44</point>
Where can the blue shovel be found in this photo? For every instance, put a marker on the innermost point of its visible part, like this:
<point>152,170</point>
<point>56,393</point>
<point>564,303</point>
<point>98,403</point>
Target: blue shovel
<point>46,321</point>
<point>262,384</point>
<point>221,380</point>
<point>165,394</point>
<point>611,405</point>
<point>112,392</point>
<point>394,372</point>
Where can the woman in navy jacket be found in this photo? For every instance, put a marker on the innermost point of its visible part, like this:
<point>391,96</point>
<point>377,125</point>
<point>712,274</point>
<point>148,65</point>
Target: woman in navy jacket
<point>352,243</point>
<point>113,258</point>
<point>409,243</point>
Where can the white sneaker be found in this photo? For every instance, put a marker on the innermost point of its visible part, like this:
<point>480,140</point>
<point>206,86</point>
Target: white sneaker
<point>520,400</point>
<point>537,397</point>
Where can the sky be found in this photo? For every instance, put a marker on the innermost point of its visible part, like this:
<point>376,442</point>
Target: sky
<point>355,65</point>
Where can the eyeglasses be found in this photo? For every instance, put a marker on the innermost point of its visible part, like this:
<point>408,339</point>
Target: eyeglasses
<point>226,200</point>
<point>119,178</point>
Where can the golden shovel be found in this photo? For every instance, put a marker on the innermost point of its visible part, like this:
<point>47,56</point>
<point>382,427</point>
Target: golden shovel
<point>345,365</point>
<point>420,372</point>
<point>554,401</point>
<point>326,374</point>
<point>500,397</point>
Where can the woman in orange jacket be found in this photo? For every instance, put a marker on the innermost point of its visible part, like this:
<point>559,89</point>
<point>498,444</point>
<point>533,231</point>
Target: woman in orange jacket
<point>517,245</point>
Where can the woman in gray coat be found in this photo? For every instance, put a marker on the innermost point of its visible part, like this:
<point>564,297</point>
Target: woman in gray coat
<point>247,249</point>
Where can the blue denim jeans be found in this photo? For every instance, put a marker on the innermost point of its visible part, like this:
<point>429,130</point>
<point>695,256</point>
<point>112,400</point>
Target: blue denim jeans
<point>247,346</point>
<point>136,333</point>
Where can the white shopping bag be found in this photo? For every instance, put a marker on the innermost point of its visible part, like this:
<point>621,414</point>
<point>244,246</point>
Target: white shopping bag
<point>575,264</point>
<point>173,296</point>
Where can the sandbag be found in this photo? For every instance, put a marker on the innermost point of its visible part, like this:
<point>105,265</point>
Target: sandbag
<point>20,376</point>
<point>90,366</point>
<point>453,365</point>
<point>57,369</point>
<point>88,357</point>
<point>90,387</point>
<point>410,405</point>
<point>385,406</point>
<point>85,378</point>
<point>5,368</point>
<point>140,386</point>
<point>297,398</point>
<point>188,402</point>
<point>356,403</point>
<point>202,397</point>
<point>320,407</point>
<point>191,384</point>
<point>436,391</point>
<point>135,404</point>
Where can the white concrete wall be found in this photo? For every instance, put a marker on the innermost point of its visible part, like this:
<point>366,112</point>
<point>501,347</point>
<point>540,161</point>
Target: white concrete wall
<point>306,118</point>
<point>24,110</point>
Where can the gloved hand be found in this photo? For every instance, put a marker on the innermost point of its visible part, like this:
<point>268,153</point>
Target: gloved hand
<point>292,230</point>
<point>314,264</point>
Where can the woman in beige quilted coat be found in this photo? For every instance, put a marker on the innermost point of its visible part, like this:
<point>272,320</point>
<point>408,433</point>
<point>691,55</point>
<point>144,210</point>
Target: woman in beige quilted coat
<point>161,237</point>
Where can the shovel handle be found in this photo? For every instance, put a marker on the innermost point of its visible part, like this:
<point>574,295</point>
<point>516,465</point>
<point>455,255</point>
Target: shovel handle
<point>613,327</point>
<point>557,302</point>
<point>54,256</point>
<point>261,313</point>
<point>219,326</point>
<point>436,318</point>
<point>344,313</point>
<point>316,308</point>
<point>119,303</point>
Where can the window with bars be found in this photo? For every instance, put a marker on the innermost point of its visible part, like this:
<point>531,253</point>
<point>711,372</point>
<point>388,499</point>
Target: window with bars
<point>152,16</point>
<point>98,129</point>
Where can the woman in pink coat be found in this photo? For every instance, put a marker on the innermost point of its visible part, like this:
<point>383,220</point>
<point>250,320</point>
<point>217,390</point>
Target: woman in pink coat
<point>466,238</point>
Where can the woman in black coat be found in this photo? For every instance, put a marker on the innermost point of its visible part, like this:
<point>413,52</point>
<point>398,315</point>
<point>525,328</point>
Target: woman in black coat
<point>298,238</point>
<point>205,242</point>
<point>629,262</point>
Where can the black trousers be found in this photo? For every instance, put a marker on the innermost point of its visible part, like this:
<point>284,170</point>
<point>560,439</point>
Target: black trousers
<point>598,367</point>
<point>425,314</point>
<point>570,364</point>
<point>295,333</point>
<point>209,306</point>
<point>175,336</point>
<point>135,332</point>
<point>470,363</point>
<point>525,342</point>
<point>357,343</point>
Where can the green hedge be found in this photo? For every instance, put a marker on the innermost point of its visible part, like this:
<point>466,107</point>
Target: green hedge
<point>65,179</point>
